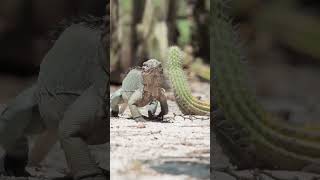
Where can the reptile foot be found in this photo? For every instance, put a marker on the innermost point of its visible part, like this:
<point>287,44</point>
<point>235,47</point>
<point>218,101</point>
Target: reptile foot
<point>151,115</point>
<point>15,167</point>
<point>114,114</point>
<point>160,118</point>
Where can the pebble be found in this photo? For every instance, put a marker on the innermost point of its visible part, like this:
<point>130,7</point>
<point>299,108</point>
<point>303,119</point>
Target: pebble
<point>141,125</point>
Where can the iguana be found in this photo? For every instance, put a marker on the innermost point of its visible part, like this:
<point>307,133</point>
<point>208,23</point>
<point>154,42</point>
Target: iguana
<point>140,87</point>
<point>67,102</point>
<point>251,136</point>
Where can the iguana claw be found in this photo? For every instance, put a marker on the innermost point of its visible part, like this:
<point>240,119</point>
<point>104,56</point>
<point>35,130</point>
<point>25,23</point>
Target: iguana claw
<point>159,117</point>
<point>151,115</point>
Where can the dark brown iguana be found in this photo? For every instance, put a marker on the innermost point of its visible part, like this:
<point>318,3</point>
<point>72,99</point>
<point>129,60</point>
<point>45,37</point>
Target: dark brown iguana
<point>140,87</point>
<point>68,101</point>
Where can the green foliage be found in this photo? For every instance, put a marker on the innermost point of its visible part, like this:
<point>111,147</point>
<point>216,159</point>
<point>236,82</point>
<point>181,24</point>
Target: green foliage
<point>184,27</point>
<point>125,4</point>
<point>182,7</point>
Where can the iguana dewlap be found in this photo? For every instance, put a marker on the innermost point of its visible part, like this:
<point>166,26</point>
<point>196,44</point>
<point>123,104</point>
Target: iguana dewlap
<point>140,87</point>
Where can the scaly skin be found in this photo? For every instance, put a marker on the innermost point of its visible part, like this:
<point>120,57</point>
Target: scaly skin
<point>253,138</point>
<point>139,88</point>
<point>187,103</point>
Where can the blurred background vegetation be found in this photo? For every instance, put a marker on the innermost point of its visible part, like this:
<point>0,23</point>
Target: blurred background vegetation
<point>282,42</point>
<point>144,29</point>
<point>25,26</point>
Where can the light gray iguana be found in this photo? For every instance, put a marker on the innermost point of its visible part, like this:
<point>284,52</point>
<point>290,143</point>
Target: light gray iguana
<point>67,103</point>
<point>141,87</point>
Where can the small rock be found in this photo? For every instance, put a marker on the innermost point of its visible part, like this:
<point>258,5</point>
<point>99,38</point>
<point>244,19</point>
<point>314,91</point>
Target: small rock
<point>141,125</point>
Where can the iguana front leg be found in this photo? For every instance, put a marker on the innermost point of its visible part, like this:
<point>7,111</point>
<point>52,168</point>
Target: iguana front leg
<point>83,125</point>
<point>14,120</point>
<point>115,100</point>
<point>42,146</point>
<point>135,97</point>
<point>152,108</point>
<point>163,104</point>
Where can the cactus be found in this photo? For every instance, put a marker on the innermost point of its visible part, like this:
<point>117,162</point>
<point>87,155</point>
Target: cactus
<point>250,135</point>
<point>187,103</point>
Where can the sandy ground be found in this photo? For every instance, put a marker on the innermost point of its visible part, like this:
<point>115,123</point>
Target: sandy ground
<point>55,164</point>
<point>223,170</point>
<point>177,148</point>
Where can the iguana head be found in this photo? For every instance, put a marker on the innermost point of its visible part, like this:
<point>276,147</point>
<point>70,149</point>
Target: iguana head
<point>152,65</point>
<point>152,74</point>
